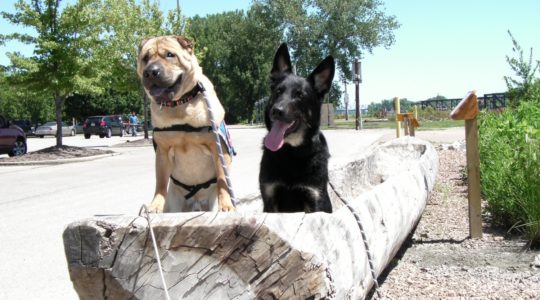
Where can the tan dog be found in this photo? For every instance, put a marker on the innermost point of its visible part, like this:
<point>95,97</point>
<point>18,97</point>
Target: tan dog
<point>186,152</point>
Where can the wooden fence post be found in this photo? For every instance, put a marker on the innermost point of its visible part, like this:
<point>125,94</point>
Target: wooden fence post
<point>398,123</point>
<point>467,110</point>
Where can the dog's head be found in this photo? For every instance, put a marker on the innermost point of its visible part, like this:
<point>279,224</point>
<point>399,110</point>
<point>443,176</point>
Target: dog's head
<point>294,107</point>
<point>165,65</point>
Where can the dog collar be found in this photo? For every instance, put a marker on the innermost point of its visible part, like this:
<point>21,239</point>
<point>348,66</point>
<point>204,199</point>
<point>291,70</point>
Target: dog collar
<point>198,88</point>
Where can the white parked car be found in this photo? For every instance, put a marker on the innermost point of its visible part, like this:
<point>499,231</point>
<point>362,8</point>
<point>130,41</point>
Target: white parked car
<point>49,128</point>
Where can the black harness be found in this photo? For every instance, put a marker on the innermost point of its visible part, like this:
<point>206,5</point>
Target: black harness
<point>192,189</point>
<point>185,128</point>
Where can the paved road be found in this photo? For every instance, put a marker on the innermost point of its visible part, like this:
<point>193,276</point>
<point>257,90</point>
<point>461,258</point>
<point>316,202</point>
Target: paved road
<point>37,202</point>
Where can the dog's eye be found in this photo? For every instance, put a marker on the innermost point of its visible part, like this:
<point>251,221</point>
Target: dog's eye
<point>169,54</point>
<point>145,58</point>
<point>279,91</point>
<point>298,94</point>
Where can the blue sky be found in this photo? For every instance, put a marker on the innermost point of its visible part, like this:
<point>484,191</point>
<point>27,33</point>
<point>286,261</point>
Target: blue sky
<point>442,47</point>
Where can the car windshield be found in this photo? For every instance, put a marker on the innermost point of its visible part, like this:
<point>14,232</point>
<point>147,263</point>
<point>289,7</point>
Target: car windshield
<point>94,119</point>
<point>49,124</point>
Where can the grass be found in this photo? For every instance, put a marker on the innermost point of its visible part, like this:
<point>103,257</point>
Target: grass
<point>371,124</point>
<point>444,189</point>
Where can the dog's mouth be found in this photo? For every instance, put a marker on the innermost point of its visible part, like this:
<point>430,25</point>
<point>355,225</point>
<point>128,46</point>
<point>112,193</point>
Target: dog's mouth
<point>275,139</point>
<point>166,93</point>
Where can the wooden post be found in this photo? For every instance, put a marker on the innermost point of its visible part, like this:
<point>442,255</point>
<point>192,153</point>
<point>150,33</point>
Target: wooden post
<point>413,125</point>
<point>398,124</point>
<point>406,124</point>
<point>467,110</point>
<point>415,122</point>
<point>473,174</point>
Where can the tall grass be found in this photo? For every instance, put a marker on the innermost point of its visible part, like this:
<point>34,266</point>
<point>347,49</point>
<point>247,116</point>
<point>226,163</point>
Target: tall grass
<point>510,167</point>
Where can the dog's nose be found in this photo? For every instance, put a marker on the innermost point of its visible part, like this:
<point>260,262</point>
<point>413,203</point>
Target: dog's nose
<point>152,71</point>
<point>278,111</point>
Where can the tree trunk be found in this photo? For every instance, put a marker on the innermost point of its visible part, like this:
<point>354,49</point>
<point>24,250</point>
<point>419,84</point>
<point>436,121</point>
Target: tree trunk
<point>255,255</point>
<point>58,104</point>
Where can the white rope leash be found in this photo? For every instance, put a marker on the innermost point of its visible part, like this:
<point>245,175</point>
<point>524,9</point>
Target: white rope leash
<point>156,251</point>
<point>144,208</point>
<point>215,129</point>
<point>366,245</point>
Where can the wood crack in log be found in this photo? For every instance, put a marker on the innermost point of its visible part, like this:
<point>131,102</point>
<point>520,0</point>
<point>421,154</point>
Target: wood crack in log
<point>125,233</point>
<point>299,226</point>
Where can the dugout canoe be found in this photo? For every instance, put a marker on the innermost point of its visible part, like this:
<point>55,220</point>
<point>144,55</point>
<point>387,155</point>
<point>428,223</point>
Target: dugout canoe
<point>254,255</point>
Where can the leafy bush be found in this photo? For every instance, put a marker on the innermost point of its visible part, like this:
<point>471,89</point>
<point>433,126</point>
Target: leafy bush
<point>510,167</point>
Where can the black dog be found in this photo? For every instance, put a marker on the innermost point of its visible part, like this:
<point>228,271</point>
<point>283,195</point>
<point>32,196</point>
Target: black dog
<point>294,165</point>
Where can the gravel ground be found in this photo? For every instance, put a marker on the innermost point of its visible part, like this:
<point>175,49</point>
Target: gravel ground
<point>439,261</point>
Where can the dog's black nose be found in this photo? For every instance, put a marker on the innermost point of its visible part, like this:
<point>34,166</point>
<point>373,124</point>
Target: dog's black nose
<point>152,71</point>
<point>278,112</point>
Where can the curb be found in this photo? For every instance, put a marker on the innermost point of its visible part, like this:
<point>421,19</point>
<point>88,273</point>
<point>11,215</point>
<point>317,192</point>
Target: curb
<point>57,161</point>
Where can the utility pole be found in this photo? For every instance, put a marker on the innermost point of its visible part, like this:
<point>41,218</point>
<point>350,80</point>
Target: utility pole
<point>357,80</point>
<point>346,100</point>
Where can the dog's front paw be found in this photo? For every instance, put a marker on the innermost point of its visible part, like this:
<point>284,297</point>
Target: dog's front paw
<point>157,205</point>
<point>228,208</point>
<point>225,204</point>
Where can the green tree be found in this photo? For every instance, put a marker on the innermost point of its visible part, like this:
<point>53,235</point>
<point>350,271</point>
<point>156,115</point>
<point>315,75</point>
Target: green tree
<point>63,61</point>
<point>342,28</point>
<point>238,49</point>
<point>124,24</point>
<point>85,54</point>
<point>388,105</point>
<point>438,97</point>
<point>20,103</point>
<point>527,86</point>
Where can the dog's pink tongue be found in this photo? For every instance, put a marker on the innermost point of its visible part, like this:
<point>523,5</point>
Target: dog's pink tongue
<point>274,139</point>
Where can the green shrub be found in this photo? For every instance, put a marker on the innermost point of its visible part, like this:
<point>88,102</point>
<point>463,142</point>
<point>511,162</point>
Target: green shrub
<point>510,167</point>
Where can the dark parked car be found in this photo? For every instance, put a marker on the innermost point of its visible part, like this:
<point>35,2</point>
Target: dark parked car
<point>12,139</point>
<point>25,125</point>
<point>104,126</point>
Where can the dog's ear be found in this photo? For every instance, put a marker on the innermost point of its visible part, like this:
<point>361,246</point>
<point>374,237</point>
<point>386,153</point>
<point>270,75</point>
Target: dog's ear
<point>142,43</point>
<point>185,43</point>
<point>321,78</point>
<point>282,62</point>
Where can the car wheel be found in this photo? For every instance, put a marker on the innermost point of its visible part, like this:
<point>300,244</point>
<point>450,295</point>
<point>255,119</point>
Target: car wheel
<point>101,136</point>
<point>109,133</point>
<point>41,136</point>
<point>19,148</point>
<point>87,136</point>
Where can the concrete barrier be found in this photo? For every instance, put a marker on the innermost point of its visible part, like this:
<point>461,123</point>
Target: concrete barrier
<point>250,254</point>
